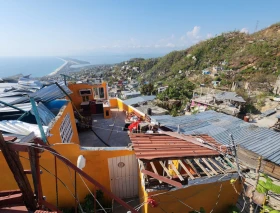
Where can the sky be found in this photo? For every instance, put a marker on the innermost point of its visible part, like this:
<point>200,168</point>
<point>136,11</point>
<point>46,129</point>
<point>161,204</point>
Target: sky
<point>89,27</point>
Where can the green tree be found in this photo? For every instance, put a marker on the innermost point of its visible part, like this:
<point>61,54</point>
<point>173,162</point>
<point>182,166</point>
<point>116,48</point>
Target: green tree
<point>181,90</point>
<point>147,89</point>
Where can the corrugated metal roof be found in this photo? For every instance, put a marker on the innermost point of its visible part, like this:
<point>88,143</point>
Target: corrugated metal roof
<point>139,99</point>
<point>229,96</point>
<point>25,107</point>
<point>152,146</point>
<point>260,140</point>
<point>46,94</point>
<point>45,114</point>
<point>21,128</point>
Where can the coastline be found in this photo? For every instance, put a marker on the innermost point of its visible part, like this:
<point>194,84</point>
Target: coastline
<point>59,68</point>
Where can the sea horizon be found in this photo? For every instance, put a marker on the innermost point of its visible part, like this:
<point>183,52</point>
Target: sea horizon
<point>39,66</point>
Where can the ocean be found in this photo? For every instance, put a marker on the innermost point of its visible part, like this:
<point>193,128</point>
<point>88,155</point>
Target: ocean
<point>42,66</point>
<point>111,58</point>
<point>36,66</point>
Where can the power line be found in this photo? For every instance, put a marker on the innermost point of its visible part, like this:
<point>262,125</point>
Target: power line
<point>59,180</point>
<point>92,194</point>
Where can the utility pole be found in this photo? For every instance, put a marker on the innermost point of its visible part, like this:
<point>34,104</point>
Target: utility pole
<point>257,24</point>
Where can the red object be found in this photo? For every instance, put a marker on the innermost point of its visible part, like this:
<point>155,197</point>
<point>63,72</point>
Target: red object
<point>153,146</point>
<point>133,125</point>
<point>93,107</point>
<point>152,202</point>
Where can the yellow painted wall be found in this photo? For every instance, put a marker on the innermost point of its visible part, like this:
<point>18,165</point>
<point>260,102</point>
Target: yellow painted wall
<point>113,102</point>
<point>122,106</point>
<point>54,127</point>
<point>96,167</point>
<point>196,196</point>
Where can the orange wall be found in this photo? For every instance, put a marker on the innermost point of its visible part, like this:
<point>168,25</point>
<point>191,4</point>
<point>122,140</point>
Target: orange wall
<point>75,88</point>
<point>54,127</point>
<point>96,167</point>
<point>75,96</point>
<point>196,196</point>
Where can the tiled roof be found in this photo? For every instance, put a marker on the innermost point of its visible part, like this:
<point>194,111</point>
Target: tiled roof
<point>260,140</point>
<point>153,146</point>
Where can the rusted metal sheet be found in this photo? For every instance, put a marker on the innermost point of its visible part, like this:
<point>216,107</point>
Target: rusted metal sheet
<point>163,179</point>
<point>157,146</point>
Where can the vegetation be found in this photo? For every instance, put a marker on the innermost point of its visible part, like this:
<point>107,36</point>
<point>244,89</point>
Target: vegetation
<point>148,89</point>
<point>181,90</point>
<point>245,54</point>
<point>88,204</point>
<point>264,186</point>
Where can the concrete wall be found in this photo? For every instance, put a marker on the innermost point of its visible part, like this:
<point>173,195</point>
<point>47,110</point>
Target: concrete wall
<point>78,99</point>
<point>196,196</point>
<point>118,103</point>
<point>96,167</point>
<point>56,123</point>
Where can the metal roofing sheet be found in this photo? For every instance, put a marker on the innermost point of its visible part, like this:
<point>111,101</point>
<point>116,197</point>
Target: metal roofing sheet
<point>46,94</point>
<point>21,128</point>
<point>260,140</point>
<point>152,146</point>
<point>139,99</point>
<point>44,113</point>
<point>25,107</point>
<point>229,96</point>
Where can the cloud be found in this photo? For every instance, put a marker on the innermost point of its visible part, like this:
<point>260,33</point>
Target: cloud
<point>170,45</point>
<point>192,36</point>
<point>244,30</point>
<point>209,35</point>
<point>194,33</point>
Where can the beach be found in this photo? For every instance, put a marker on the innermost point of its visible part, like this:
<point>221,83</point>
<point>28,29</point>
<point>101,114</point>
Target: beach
<point>59,68</point>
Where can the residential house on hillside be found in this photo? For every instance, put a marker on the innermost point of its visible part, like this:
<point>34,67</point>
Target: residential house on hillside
<point>162,169</point>
<point>227,102</point>
<point>206,72</point>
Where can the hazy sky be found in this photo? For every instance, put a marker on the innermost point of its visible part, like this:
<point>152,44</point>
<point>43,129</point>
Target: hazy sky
<point>86,27</point>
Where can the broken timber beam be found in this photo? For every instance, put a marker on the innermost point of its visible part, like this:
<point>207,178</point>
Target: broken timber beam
<point>163,179</point>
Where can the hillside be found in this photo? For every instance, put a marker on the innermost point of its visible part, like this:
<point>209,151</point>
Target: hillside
<point>244,54</point>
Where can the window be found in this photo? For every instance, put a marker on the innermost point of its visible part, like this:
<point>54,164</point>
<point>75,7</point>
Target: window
<point>65,129</point>
<point>99,93</point>
<point>85,92</point>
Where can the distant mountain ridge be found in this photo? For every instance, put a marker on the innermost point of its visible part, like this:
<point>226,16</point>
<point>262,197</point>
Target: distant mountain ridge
<point>240,52</point>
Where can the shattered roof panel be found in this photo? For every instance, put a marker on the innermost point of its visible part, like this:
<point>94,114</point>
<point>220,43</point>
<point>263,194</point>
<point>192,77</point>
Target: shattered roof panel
<point>44,113</point>
<point>153,146</point>
<point>260,140</point>
<point>21,128</point>
<point>46,94</point>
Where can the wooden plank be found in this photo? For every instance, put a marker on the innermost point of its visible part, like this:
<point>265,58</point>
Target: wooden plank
<point>193,167</point>
<point>176,171</point>
<point>16,168</point>
<point>165,169</point>
<point>216,165</point>
<point>186,169</point>
<point>209,166</point>
<point>163,179</point>
<point>155,170</point>
<point>143,167</point>
<point>250,159</point>
<point>202,167</point>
